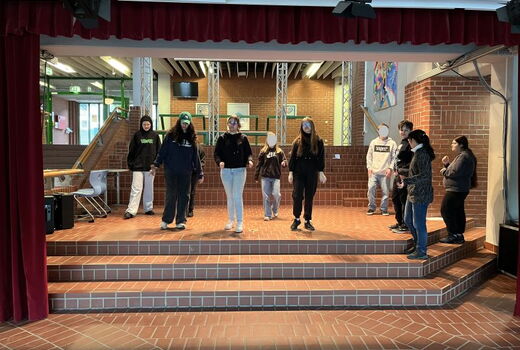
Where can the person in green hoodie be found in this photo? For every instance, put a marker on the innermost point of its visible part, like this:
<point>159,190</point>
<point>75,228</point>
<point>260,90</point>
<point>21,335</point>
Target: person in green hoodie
<point>142,151</point>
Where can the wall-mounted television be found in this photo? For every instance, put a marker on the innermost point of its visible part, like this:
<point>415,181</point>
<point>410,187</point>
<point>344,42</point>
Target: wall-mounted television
<point>185,89</point>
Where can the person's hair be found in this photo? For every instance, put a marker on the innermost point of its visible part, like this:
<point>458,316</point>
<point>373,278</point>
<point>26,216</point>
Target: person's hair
<point>266,146</point>
<point>177,134</point>
<point>383,124</point>
<point>420,137</point>
<point>464,145</point>
<point>406,123</point>
<point>302,137</point>
<point>234,117</point>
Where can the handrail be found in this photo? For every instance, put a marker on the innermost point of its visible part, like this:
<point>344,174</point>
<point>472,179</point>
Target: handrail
<point>369,117</point>
<point>61,172</point>
<point>88,150</point>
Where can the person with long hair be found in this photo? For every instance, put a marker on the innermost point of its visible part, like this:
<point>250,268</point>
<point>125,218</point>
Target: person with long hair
<point>232,155</point>
<point>306,166</point>
<point>180,157</point>
<point>270,162</point>
<point>459,176</point>
<point>420,192</point>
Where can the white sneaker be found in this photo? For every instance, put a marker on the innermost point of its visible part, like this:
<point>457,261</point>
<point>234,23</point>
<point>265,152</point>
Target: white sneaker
<point>164,226</point>
<point>228,226</point>
<point>275,214</point>
<point>267,218</point>
<point>180,226</point>
<point>239,228</point>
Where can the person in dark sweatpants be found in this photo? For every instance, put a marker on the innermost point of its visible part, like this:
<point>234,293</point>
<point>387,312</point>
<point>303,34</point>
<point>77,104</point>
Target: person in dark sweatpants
<point>305,168</point>
<point>402,163</point>
<point>195,180</point>
<point>459,176</point>
<point>180,157</point>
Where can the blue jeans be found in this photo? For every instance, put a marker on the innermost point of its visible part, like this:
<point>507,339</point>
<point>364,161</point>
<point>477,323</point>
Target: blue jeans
<point>271,188</point>
<point>384,183</point>
<point>234,180</point>
<point>415,219</point>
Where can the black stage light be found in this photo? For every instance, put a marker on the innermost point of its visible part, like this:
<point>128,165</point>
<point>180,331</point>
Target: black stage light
<point>511,14</point>
<point>88,12</point>
<point>357,8</point>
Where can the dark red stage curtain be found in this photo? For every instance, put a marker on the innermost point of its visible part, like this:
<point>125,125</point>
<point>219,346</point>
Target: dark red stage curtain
<point>23,271</point>
<point>517,306</point>
<point>284,24</point>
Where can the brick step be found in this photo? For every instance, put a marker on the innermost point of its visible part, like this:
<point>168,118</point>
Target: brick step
<point>212,267</point>
<point>437,289</point>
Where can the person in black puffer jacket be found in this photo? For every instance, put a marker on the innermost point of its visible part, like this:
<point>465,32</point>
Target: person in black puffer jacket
<point>143,149</point>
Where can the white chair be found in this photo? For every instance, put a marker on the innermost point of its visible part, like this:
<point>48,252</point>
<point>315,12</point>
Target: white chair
<point>98,181</point>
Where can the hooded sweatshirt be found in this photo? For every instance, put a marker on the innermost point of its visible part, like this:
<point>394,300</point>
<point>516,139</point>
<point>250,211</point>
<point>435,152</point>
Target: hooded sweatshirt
<point>458,174</point>
<point>381,155</point>
<point>143,147</point>
<point>179,157</point>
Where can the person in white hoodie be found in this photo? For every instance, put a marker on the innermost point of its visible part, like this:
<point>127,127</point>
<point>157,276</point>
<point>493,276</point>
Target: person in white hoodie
<point>380,164</point>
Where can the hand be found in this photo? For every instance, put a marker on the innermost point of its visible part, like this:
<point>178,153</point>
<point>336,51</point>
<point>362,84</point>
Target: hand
<point>290,178</point>
<point>221,165</point>
<point>284,163</point>
<point>400,185</point>
<point>250,164</point>
<point>201,180</point>
<point>446,160</point>
<point>396,173</point>
<point>153,170</point>
<point>443,170</point>
<point>323,178</point>
<point>388,172</point>
<point>256,181</point>
<point>369,172</point>
<point>402,177</point>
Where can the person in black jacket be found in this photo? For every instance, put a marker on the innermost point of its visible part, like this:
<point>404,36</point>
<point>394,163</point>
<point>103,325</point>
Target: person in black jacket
<point>306,166</point>
<point>459,176</point>
<point>195,180</point>
<point>180,157</point>
<point>232,155</point>
<point>402,163</point>
<point>143,149</point>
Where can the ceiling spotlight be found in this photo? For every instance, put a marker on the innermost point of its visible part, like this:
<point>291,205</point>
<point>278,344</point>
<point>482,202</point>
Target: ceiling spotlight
<point>510,14</point>
<point>356,8</point>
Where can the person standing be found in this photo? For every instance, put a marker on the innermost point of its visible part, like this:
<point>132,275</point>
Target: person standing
<point>143,149</point>
<point>232,155</point>
<point>270,162</point>
<point>402,162</point>
<point>195,180</point>
<point>380,164</point>
<point>459,176</point>
<point>420,192</point>
<point>306,166</point>
<point>180,158</point>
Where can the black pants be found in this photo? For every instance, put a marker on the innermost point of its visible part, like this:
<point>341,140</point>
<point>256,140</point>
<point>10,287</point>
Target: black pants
<point>177,197</point>
<point>304,186</point>
<point>452,211</point>
<point>194,182</point>
<point>399,200</point>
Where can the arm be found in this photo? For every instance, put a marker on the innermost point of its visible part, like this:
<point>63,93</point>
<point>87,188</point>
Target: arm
<point>131,153</point>
<point>292,160</point>
<point>197,163</point>
<point>219,148</point>
<point>157,144</point>
<point>202,156</point>
<point>261,159</point>
<point>369,155</point>
<point>162,153</point>
<point>423,162</point>
<point>460,167</point>
<point>248,154</point>
<point>321,156</point>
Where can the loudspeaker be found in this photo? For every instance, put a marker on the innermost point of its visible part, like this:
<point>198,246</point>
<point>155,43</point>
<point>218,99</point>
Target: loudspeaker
<point>64,213</point>
<point>352,9</point>
<point>48,211</point>
<point>88,12</point>
<point>508,249</point>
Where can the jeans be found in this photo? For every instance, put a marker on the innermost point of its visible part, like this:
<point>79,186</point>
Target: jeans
<point>399,200</point>
<point>452,211</point>
<point>383,182</point>
<point>234,180</point>
<point>271,188</point>
<point>177,197</point>
<point>138,179</point>
<point>415,219</point>
<point>304,187</point>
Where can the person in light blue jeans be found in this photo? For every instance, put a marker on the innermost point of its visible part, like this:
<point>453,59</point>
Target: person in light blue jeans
<point>232,154</point>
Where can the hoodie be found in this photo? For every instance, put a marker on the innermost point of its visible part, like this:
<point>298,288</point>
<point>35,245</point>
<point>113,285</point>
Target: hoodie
<point>179,157</point>
<point>143,147</point>
<point>457,175</point>
<point>381,155</point>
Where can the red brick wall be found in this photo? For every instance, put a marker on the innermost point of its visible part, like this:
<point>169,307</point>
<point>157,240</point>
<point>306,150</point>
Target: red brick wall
<point>446,107</point>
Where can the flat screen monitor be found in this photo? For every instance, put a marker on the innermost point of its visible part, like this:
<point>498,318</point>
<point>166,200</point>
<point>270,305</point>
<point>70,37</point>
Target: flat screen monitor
<point>186,89</point>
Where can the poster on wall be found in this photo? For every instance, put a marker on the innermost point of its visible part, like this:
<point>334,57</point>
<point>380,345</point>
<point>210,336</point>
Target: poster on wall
<point>385,85</point>
<point>202,108</point>
<point>291,109</point>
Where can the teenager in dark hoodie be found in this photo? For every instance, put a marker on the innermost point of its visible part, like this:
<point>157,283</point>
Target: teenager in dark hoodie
<point>180,157</point>
<point>143,149</point>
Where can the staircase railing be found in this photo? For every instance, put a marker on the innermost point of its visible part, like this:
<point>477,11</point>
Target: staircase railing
<point>370,117</point>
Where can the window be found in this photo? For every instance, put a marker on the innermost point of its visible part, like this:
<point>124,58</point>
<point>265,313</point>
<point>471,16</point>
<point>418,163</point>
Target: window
<point>90,121</point>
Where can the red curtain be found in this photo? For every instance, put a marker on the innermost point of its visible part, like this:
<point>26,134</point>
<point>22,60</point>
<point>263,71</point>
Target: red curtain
<point>23,271</point>
<point>284,24</point>
<point>517,306</point>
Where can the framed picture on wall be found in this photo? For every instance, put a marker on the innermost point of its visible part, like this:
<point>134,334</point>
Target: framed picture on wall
<point>202,108</point>
<point>291,109</point>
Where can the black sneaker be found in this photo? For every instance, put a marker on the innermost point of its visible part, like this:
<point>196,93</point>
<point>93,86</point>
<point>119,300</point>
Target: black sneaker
<point>384,212</point>
<point>308,226</point>
<point>149,212</point>
<point>453,239</point>
<point>393,227</point>
<point>410,250</point>
<point>127,216</point>
<point>370,212</point>
<point>417,256</point>
<point>401,229</point>
<point>295,224</point>
<point>190,214</point>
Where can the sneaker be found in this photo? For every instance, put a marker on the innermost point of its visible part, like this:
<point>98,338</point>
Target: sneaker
<point>384,212</point>
<point>239,228</point>
<point>228,226</point>
<point>267,218</point>
<point>393,227</point>
<point>128,216</point>
<point>190,214</point>
<point>164,225</point>
<point>180,226</point>
<point>410,250</point>
<point>400,229</point>
<point>453,239</point>
<point>295,224</point>
<point>370,212</point>
<point>308,226</point>
<point>275,214</point>
<point>417,256</point>
<point>149,212</point>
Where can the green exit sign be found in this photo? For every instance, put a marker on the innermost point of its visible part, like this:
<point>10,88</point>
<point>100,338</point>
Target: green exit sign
<point>75,89</point>
<point>48,71</point>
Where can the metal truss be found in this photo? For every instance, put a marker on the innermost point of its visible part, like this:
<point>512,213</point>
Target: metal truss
<point>346,105</point>
<point>213,102</point>
<point>281,102</point>
<point>145,65</point>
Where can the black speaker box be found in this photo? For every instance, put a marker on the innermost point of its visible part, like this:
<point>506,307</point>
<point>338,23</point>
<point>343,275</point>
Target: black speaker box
<point>508,249</point>
<point>64,213</point>
<point>48,210</point>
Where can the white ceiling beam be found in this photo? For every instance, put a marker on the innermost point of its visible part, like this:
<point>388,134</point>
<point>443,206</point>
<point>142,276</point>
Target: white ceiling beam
<point>323,68</point>
<point>336,73</point>
<point>297,70</point>
<point>291,67</point>
<point>255,69</point>
<point>272,70</point>
<point>175,66</point>
<point>194,67</point>
<point>161,66</point>
<point>331,69</point>
<point>185,67</point>
<point>78,67</point>
<point>247,69</point>
<point>265,68</point>
<point>96,62</point>
<point>229,69</point>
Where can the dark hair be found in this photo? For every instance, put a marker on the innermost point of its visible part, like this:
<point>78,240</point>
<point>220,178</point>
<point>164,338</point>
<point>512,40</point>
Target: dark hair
<point>235,117</point>
<point>420,136</point>
<point>464,144</point>
<point>177,134</point>
<point>313,138</point>
<point>406,123</point>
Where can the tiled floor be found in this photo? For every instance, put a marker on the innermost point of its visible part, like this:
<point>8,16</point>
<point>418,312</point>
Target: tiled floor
<point>481,319</point>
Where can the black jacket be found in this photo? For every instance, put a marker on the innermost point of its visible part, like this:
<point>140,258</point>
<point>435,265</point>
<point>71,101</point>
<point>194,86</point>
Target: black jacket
<point>269,164</point>
<point>143,148</point>
<point>179,157</point>
<point>233,149</point>
<point>308,162</point>
<point>403,158</point>
<point>419,180</point>
<point>458,174</point>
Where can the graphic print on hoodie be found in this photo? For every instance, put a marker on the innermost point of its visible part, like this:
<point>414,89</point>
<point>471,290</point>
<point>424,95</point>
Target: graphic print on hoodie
<point>143,147</point>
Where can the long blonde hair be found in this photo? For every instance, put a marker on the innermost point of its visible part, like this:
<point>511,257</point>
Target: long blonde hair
<point>266,146</point>
<point>313,136</point>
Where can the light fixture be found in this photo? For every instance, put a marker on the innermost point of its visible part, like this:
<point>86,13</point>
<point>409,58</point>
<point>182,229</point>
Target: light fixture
<point>109,101</point>
<point>44,85</point>
<point>63,67</point>
<point>510,14</point>
<point>117,65</point>
<point>311,69</point>
<point>203,67</point>
<point>75,89</point>
<point>356,8</point>
<point>97,84</point>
